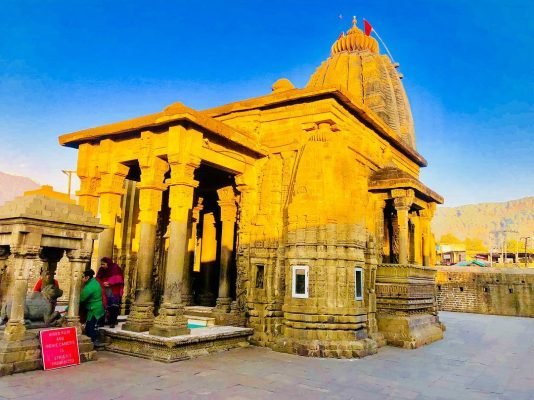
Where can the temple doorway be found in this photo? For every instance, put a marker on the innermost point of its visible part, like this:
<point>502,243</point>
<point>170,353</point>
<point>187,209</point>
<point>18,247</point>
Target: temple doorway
<point>205,260</point>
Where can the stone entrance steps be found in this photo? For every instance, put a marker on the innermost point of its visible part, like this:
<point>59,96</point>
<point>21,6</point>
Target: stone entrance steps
<point>199,316</point>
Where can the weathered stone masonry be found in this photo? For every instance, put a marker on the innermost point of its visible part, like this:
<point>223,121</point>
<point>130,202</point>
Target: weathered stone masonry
<point>486,290</point>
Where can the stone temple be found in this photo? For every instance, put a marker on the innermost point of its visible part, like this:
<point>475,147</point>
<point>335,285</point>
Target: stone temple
<point>299,214</point>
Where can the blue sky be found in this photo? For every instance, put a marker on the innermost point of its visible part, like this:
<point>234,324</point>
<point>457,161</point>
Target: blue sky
<point>468,67</point>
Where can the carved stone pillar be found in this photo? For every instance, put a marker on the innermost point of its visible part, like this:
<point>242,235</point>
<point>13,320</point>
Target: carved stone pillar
<point>403,200</point>
<point>416,257</point>
<point>171,320</point>
<point>208,258</point>
<point>111,191</point>
<point>78,260</point>
<point>151,187</point>
<point>432,258</point>
<point>425,217</point>
<point>87,172</point>
<point>24,257</point>
<point>187,296</point>
<point>227,203</point>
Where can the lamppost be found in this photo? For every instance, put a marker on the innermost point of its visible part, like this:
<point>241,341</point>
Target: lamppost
<point>527,256</point>
<point>69,174</point>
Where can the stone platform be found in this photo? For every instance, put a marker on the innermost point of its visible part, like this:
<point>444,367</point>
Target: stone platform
<point>201,341</point>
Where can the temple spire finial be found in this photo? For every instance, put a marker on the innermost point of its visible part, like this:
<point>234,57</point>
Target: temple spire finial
<point>354,21</point>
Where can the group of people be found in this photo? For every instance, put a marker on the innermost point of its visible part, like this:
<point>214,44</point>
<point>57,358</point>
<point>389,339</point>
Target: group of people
<point>100,298</point>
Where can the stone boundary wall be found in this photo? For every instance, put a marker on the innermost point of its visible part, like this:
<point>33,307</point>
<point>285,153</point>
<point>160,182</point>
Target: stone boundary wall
<point>486,290</point>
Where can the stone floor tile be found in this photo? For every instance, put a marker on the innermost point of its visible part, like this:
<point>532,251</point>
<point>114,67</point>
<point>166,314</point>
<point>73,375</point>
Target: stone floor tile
<point>16,391</point>
<point>479,359</point>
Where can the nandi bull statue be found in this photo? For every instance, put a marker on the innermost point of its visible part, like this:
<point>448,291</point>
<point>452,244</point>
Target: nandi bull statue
<point>39,307</point>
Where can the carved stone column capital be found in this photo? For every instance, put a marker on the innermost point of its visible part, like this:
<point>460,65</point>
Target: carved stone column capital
<point>227,203</point>
<point>79,255</point>
<point>25,251</point>
<point>183,171</point>
<point>181,201</point>
<point>112,177</point>
<point>428,213</point>
<point>195,215</point>
<point>402,199</point>
<point>153,172</point>
<point>149,204</point>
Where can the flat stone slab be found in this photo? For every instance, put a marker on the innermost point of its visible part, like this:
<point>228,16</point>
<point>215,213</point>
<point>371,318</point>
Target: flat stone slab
<point>201,341</point>
<point>198,311</point>
<point>200,321</point>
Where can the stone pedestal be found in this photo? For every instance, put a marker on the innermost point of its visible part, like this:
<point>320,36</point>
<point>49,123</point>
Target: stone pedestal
<point>141,317</point>
<point>20,355</point>
<point>226,312</point>
<point>221,310</point>
<point>170,321</point>
<point>410,331</point>
<point>406,305</point>
<point>25,354</point>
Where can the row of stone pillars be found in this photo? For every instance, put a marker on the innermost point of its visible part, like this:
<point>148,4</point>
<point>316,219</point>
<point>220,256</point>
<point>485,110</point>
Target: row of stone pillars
<point>177,286</point>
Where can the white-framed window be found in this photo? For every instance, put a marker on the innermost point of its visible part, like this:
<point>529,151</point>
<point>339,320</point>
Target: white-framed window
<point>358,283</point>
<point>300,281</point>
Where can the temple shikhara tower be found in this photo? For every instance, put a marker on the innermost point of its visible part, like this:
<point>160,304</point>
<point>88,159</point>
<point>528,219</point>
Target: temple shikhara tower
<point>299,213</point>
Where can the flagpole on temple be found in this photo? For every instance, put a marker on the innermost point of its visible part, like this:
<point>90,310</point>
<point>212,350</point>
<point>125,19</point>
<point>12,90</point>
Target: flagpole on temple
<point>369,29</point>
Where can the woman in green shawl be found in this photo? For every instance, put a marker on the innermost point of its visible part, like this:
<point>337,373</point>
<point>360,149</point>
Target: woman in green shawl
<point>91,300</point>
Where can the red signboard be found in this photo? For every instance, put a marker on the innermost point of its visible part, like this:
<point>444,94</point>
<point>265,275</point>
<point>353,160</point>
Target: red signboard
<point>59,348</point>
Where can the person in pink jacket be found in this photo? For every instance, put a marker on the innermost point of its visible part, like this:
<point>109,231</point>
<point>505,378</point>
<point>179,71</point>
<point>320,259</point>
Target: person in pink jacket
<point>111,279</point>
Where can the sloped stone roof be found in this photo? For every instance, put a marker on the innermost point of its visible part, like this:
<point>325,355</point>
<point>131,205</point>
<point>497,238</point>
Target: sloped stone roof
<point>391,177</point>
<point>44,208</point>
<point>389,172</point>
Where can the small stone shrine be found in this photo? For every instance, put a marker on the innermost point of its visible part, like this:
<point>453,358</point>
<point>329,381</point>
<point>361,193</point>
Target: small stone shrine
<point>35,228</point>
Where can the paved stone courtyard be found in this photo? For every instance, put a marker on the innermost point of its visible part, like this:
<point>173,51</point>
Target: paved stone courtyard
<point>481,357</point>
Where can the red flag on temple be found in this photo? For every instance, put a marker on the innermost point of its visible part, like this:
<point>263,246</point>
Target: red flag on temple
<point>367,27</point>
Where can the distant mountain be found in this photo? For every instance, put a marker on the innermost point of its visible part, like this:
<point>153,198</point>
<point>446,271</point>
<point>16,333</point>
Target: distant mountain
<point>12,186</point>
<point>482,220</point>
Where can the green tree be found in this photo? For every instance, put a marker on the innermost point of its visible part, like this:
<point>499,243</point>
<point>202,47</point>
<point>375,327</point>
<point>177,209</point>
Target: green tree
<point>449,238</point>
<point>512,245</point>
<point>475,245</point>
